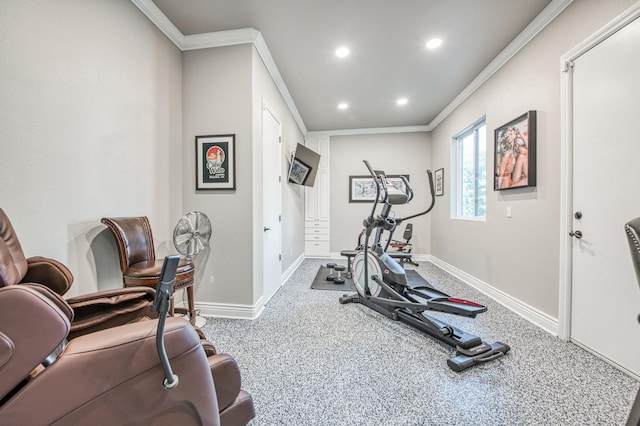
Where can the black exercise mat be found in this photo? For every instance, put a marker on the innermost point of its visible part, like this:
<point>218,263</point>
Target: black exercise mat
<point>320,281</point>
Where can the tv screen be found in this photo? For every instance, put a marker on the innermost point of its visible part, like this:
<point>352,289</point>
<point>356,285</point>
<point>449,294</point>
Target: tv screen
<point>304,166</point>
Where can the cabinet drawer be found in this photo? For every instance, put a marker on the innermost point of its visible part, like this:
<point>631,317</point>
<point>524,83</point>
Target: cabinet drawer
<point>316,248</point>
<point>316,224</point>
<point>310,232</point>
<point>313,237</point>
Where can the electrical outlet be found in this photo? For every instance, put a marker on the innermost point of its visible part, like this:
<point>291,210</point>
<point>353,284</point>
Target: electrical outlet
<point>508,212</point>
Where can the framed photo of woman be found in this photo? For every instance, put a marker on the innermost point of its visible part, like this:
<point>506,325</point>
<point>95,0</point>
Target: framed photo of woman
<point>515,153</point>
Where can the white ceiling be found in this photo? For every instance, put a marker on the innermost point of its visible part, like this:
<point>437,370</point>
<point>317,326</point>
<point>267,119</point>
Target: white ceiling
<point>388,57</point>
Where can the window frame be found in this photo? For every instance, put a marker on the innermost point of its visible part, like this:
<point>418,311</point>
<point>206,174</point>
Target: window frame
<point>457,167</point>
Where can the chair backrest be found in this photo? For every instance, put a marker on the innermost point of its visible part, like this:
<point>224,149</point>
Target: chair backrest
<point>13,263</point>
<point>133,239</point>
<point>408,232</point>
<point>632,229</point>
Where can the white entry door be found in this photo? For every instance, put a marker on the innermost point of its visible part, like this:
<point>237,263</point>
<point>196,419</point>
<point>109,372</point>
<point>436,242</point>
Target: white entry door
<point>271,196</point>
<point>605,298</point>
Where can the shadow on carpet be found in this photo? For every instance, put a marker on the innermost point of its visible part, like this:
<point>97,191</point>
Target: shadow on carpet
<point>320,282</point>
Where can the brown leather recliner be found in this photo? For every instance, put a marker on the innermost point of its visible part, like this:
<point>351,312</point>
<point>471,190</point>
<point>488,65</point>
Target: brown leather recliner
<point>103,311</point>
<point>112,376</point>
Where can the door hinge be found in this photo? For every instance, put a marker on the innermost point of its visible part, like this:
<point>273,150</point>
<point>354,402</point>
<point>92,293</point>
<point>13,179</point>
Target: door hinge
<point>568,66</point>
<point>279,218</point>
<point>279,139</point>
<point>279,179</point>
<point>280,258</point>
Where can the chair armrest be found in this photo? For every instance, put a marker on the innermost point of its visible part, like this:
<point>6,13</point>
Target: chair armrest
<point>226,378</point>
<point>110,308</point>
<point>32,326</point>
<point>48,272</point>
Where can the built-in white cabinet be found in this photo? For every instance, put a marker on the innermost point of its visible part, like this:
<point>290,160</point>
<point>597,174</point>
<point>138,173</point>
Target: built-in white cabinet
<point>316,211</point>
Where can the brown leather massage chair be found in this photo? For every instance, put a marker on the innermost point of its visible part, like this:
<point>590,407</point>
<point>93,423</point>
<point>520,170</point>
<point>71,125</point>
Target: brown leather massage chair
<point>94,359</point>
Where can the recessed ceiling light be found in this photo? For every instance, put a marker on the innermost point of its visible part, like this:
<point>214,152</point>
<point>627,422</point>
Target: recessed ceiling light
<point>434,43</point>
<point>342,52</point>
<point>402,101</point>
<point>343,105</point>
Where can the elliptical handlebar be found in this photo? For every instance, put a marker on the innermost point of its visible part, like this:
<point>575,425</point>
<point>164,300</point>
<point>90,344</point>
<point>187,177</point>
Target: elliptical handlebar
<point>378,178</point>
<point>371,171</point>
<point>368,222</point>
<point>409,188</point>
<point>433,200</point>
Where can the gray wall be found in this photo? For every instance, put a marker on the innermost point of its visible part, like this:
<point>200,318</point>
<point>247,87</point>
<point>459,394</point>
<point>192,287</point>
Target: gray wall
<point>217,100</point>
<point>519,256</point>
<point>400,153</point>
<point>90,112</point>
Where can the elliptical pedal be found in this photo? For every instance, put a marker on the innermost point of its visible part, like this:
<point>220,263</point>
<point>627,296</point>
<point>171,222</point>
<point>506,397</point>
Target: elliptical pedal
<point>461,361</point>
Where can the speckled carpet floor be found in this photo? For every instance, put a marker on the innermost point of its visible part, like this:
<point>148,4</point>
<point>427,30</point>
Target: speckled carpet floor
<point>308,360</point>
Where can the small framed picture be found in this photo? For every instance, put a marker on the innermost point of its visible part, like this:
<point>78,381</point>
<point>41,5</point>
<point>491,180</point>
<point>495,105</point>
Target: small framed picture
<point>299,171</point>
<point>362,189</point>
<point>215,162</point>
<point>439,182</point>
<point>515,153</point>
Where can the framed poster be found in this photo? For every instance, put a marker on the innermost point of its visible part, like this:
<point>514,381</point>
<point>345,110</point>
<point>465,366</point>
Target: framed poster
<point>515,153</point>
<point>439,182</point>
<point>215,162</point>
<point>362,189</point>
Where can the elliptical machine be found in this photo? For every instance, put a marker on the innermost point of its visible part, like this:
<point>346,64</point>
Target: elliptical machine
<point>382,285</point>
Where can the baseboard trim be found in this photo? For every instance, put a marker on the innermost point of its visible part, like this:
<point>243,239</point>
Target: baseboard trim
<point>291,269</point>
<point>230,310</point>
<point>533,315</point>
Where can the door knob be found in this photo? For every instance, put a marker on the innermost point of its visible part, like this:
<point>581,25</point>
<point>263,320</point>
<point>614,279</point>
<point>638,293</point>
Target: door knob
<point>266,229</point>
<point>577,234</point>
<point>578,215</point>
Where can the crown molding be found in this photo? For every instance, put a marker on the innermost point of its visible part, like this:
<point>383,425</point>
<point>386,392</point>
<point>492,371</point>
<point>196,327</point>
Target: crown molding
<point>545,17</point>
<point>367,131</point>
<point>161,21</point>
<point>220,39</point>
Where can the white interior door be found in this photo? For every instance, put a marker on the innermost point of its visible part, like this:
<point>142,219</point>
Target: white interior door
<point>271,201</point>
<point>605,300</point>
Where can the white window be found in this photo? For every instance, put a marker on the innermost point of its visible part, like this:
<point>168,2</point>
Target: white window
<point>469,155</point>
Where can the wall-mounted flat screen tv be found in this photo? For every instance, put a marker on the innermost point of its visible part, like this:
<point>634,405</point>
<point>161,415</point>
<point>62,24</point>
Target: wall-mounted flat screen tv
<point>304,166</point>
